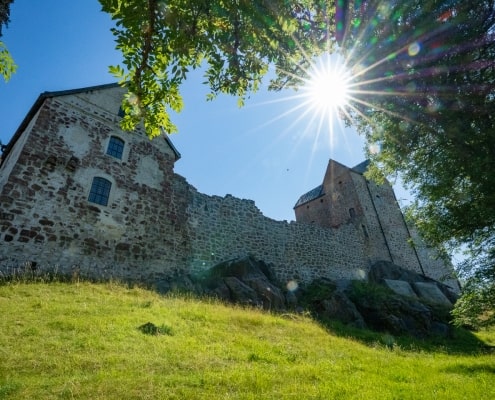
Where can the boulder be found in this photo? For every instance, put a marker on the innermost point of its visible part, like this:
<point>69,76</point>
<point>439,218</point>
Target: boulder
<point>240,292</point>
<point>393,301</point>
<point>383,271</point>
<point>339,306</point>
<point>387,270</point>
<point>431,293</point>
<point>400,287</point>
<point>396,315</point>
<point>248,281</point>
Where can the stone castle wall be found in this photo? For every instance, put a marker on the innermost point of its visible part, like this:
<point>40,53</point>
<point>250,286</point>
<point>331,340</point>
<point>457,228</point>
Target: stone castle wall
<point>228,227</point>
<point>46,218</point>
<point>156,225</point>
<point>385,224</point>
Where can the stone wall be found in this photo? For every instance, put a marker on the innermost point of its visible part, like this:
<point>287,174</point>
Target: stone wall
<point>386,225</point>
<point>46,217</point>
<point>228,227</point>
<point>156,226</point>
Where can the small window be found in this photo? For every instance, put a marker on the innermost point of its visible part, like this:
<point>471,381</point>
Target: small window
<point>115,147</point>
<point>100,191</point>
<point>365,231</point>
<point>121,112</point>
<point>352,212</point>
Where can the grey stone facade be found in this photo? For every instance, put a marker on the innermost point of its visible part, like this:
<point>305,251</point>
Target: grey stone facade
<point>155,225</point>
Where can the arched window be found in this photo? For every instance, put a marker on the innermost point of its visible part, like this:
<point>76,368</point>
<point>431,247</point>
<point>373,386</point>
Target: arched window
<point>115,147</point>
<point>100,191</point>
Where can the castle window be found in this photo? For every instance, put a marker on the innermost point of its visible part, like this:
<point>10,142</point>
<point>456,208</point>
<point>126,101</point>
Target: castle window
<point>365,231</point>
<point>115,147</point>
<point>352,212</point>
<point>100,191</point>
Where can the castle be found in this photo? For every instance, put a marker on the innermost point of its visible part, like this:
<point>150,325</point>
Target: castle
<point>79,195</point>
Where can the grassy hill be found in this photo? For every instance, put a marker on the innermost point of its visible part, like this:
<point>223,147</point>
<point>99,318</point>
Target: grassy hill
<point>82,341</point>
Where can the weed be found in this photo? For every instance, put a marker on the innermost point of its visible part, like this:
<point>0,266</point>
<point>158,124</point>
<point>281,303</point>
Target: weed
<point>151,329</point>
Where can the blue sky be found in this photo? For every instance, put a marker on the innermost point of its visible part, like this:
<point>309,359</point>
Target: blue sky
<point>260,152</point>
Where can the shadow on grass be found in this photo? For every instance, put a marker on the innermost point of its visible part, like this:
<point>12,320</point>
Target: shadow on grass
<point>460,341</point>
<point>471,369</point>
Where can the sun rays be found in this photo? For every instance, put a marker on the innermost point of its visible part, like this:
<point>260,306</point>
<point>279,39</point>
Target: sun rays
<point>327,87</point>
<point>398,75</point>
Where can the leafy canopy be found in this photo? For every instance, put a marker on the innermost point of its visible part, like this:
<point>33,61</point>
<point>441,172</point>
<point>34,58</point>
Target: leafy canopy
<point>425,75</point>
<point>7,65</point>
<point>235,41</point>
<point>425,97</point>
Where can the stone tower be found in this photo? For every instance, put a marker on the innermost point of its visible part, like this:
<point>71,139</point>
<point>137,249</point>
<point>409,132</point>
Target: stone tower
<point>347,197</point>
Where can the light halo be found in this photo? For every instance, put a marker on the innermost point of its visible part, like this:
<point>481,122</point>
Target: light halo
<point>327,87</point>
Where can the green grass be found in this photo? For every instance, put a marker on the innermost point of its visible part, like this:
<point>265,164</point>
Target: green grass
<point>82,341</point>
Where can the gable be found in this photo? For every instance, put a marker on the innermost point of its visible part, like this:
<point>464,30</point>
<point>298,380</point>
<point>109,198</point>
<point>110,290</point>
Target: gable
<point>106,98</point>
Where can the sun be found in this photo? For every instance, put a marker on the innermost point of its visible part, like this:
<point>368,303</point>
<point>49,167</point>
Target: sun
<point>323,99</point>
<point>327,89</point>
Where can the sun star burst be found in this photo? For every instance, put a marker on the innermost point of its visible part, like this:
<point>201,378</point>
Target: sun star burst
<point>326,89</point>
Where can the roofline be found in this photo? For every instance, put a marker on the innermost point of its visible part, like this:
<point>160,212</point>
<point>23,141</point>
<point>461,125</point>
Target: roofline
<point>357,168</point>
<point>300,203</point>
<point>48,95</point>
<point>169,142</point>
<point>307,201</point>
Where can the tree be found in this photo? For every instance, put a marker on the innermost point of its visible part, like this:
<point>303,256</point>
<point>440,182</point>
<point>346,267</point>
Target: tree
<point>425,95</point>
<point>4,13</point>
<point>235,41</point>
<point>423,87</point>
<point>7,65</point>
<point>476,308</point>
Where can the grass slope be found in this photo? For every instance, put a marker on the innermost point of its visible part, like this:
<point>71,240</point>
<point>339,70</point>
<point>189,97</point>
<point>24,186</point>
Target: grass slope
<point>81,341</point>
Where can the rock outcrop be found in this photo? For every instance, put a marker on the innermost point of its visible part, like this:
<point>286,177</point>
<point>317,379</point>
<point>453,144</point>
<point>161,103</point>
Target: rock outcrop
<point>245,281</point>
<point>394,300</point>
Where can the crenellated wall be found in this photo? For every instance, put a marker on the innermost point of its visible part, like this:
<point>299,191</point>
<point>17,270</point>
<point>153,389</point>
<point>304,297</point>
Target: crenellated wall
<point>228,227</point>
<point>156,225</point>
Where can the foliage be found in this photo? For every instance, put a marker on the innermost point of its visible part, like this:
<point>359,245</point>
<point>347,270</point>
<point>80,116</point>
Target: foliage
<point>424,85</point>
<point>427,98</point>
<point>150,328</point>
<point>370,292</point>
<point>316,291</point>
<point>476,307</point>
<point>7,65</point>
<point>81,341</point>
<point>4,13</point>
<point>234,41</point>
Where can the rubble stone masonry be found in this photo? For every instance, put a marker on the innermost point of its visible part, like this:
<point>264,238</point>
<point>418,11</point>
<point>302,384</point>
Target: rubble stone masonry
<point>155,225</point>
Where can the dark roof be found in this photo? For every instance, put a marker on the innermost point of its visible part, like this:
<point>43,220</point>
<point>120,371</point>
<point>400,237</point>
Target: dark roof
<point>46,95</point>
<point>311,195</point>
<point>361,167</point>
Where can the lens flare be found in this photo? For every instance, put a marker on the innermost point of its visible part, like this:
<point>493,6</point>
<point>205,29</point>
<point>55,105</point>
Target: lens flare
<point>292,286</point>
<point>413,49</point>
<point>327,88</point>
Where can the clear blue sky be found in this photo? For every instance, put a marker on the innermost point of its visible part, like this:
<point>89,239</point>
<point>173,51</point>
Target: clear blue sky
<point>259,152</point>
